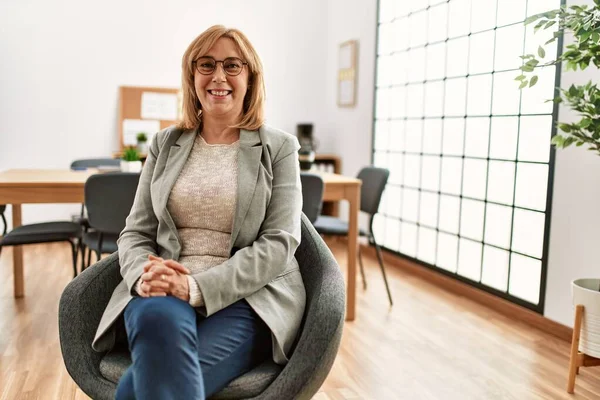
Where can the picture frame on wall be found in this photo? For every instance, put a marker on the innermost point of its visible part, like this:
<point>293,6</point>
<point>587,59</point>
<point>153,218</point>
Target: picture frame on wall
<point>347,74</point>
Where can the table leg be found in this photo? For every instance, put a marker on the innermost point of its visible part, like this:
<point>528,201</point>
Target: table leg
<point>353,196</point>
<point>19,284</point>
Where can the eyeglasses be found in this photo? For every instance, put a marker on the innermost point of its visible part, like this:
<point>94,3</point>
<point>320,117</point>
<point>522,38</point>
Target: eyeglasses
<point>231,65</point>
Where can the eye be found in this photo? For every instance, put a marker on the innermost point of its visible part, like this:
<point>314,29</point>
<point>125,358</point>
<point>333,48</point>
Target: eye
<point>233,64</point>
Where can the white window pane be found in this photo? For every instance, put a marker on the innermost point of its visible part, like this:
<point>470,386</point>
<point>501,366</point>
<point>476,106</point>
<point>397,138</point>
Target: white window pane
<point>399,74</point>
<point>383,70</point>
<point>397,106</point>
<point>382,129</point>
<point>479,95</point>
<point>396,168</point>
<point>525,275</point>
<point>427,239</point>
<point>501,178</point>
<point>434,98</point>
<point>471,219</point>
<point>413,136</point>
<point>509,48</point>
<point>380,159</point>
<point>503,139</point>
<point>432,133</point>
<point>414,106</point>
<point>447,251</point>
<point>532,186</point>
<point>458,57</point>
<point>477,134</point>
<point>399,33</point>
<point>449,212</point>
<point>382,109</point>
<point>438,17</point>
<point>412,169</point>
<point>391,240</point>
<point>528,232</point>
<point>410,205</point>
<point>459,19</point>
<point>534,98</point>
<point>402,8</point>
<point>429,209</point>
<point>379,225</point>
<point>483,15</point>
<point>534,40</point>
<point>539,6</point>
<point>453,136</point>
<point>397,135</point>
<point>534,138</point>
<point>506,95</point>
<point>393,195</point>
<point>387,10</point>
<point>418,5</point>
<point>385,39</point>
<point>417,28</point>
<point>408,239</point>
<point>498,223</point>
<point>416,64</point>
<point>451,175</point>
<point>481,53</point>
<point>469,259</point>
<point>455,97</point>
<point>436,61</point>
<point>510,11</point>
<point>430,177</point>
<point>474,178</point>
<point>495,268</point>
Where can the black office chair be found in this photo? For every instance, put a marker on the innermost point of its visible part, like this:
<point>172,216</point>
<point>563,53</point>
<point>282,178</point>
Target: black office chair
<point>373,183</point>
<point>108,199</point>
<point>44,232</point>
<point>312,195</point>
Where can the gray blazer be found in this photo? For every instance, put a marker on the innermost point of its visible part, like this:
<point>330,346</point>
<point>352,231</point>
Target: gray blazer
<point>266,232</point>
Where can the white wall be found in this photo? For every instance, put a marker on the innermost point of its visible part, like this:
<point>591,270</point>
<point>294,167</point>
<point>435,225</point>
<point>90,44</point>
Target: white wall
<point>575,222</point>
<point>63,61</point>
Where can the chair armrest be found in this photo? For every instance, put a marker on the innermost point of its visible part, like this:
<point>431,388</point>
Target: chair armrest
<point>321,331</point>
<point>81,306</point>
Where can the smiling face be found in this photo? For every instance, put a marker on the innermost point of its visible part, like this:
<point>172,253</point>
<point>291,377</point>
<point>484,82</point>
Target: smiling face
<point>221,94</point>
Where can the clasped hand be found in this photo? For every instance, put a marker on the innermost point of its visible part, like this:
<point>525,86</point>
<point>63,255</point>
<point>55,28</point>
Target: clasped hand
<point>164,277</point>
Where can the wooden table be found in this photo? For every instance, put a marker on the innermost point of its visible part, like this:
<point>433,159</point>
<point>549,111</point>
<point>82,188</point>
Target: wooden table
<point>339,187</point>
<point>22,186</point>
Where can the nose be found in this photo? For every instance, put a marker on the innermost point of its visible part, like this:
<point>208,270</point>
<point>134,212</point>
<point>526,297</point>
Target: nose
<point>219,72</point>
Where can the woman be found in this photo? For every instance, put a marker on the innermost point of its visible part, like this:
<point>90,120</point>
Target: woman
<point>210,285</point>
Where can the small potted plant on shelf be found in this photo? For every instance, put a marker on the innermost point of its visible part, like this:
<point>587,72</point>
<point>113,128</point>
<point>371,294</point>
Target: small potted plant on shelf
<point>142,142</point>
<point>130,161</point>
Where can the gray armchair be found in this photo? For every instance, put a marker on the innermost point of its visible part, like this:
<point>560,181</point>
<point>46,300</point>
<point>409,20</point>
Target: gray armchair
<point>84,299</point>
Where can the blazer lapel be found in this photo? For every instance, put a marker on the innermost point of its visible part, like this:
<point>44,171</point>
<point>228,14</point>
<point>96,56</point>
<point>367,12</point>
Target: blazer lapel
<point>178,155</point>
<point>249,158</point>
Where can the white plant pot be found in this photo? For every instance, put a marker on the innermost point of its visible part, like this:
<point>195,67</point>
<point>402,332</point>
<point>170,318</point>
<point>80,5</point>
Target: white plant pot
<point>131,166</point>
<point>587,293</point>
<point>143,147</point>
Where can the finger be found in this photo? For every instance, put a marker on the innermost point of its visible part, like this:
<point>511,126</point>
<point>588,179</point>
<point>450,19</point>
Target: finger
<point>157,294</point>
<point>150,264</point>
<point>176,266</point>
<point>152,257</point>
<point>161,269</point>
<point>158,285</point>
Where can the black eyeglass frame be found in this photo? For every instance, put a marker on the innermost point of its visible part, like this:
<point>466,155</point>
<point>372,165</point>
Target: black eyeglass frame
<point>195,63</point>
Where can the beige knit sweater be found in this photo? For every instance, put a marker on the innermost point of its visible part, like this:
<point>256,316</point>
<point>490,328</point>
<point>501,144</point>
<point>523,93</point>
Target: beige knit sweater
<point>202,204</point>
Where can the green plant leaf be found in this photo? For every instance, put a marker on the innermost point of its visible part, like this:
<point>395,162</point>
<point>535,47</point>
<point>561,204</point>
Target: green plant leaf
<point>523,84</point>
<point>541,52</point>
<point>520,77</point>
<point>526,68</point>
<point>533,18</point>
<point>549,24</point>
<point>596,37</point>
<point>585,122</point>
<point>533,80</point>
<point>564,127</point>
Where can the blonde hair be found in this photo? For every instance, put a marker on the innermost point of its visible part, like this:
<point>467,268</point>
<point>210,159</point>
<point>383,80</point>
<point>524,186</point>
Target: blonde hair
<point>253,108</point>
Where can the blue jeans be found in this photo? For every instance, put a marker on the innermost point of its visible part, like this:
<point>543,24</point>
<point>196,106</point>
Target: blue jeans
<point>178,354</point>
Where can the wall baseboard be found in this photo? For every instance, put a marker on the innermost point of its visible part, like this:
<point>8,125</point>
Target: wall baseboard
<point>503,306</point>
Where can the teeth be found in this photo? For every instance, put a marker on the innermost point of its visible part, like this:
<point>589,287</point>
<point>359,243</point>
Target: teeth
<point>219,93</point>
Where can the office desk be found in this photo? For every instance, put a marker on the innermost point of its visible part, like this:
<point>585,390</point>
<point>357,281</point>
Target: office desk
<point>23,186</point>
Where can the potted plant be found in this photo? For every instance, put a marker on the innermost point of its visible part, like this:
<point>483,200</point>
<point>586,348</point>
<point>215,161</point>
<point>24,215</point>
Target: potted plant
<point>142,142</point>
<point>130,161</point>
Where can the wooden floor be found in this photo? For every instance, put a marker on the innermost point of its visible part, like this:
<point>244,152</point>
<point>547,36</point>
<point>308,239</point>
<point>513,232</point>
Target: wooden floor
<point>431,345</point>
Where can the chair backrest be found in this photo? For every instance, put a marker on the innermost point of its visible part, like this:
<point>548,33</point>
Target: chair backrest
<point>108,199</point>
<point>95,163</point>
<point>373,180</point>
<point>312,195</point>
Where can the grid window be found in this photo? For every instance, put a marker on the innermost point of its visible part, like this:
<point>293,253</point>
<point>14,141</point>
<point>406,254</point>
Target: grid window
<point>469,154</point>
